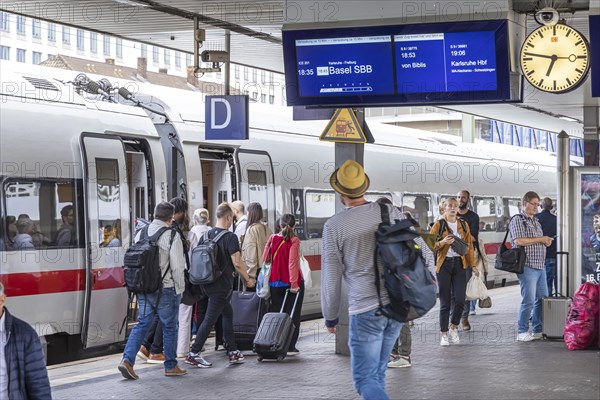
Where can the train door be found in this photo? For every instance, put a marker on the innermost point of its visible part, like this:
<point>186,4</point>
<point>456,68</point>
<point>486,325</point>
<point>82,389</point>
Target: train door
<point>108,233</point>
<point>256,181</point>
<point>217,182</point>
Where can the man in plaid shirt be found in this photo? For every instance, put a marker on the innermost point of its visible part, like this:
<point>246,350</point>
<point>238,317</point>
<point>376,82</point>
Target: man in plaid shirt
<point>526,231</point>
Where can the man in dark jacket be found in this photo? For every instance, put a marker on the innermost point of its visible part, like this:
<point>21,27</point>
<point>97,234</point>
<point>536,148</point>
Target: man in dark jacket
<point>23,373</point>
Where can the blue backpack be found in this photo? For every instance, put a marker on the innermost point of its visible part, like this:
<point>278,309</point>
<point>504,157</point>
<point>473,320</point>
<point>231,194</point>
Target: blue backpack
<point>410,285</point>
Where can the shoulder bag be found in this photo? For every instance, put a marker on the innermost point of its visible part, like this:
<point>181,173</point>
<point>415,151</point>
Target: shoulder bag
<point>510,260</point>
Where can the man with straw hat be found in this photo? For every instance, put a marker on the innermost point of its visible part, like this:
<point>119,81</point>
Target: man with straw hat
<point>348,249</point>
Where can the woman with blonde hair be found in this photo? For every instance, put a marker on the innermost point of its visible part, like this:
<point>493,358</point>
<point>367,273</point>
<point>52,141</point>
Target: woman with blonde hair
<point>453,257</point>
<point>255,239</point>
<point>283,250</point>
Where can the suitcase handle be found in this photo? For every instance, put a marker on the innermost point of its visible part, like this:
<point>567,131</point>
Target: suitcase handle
<point>284,300</point>
<point>559,291</point>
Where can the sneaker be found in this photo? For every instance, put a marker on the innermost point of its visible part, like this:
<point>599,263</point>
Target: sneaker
<point>444,341</point>
<point>143,354</point>
<point>126,370</point>
<point>536,336</point>
<point>466,325</point>
<point>197,360</point>
<point>293,351</point>
<point>472,312</point>
<point>235,357</point>
<point>401,362</point>
<point>156,358</point>
<point>525,337</point>
<point>393,358</point>
<point>453,336</point>
<point>175,371</point>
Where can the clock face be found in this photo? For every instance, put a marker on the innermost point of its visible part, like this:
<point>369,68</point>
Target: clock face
<point>555,58</point>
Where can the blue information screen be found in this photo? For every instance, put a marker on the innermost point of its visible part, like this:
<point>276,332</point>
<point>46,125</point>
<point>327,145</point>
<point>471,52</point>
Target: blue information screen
<point>463,62</point>
<point>355,65</point>
<point>446,62</point>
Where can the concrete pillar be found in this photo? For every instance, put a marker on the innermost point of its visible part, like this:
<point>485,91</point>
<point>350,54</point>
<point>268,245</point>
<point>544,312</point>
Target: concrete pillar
<point>591,136</point>
<point>468,128</point>
<point>562,208</point>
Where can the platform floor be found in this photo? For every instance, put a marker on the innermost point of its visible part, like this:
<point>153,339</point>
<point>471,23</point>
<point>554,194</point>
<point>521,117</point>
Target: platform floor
<point>488,364</point>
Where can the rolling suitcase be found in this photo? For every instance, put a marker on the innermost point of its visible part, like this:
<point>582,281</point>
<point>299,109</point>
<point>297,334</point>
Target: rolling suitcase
<point>556,308</point>
<point>248,312</point>
<point>275,334</point>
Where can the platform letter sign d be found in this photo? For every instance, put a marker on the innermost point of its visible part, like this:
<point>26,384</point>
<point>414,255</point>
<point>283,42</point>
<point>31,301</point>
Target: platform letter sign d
<point>226,118</point>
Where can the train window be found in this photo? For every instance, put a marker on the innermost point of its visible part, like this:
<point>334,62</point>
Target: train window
<point>257,189</point>
<point>373,196</point>
<point>419,206</point>
<point>320,206</point>
<point>109,202</point>
<point>485,207</point>
<point>509,207</point>
<point>43,214</point>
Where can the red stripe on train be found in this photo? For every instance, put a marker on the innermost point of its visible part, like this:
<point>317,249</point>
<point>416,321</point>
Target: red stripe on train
<point>48,282</point>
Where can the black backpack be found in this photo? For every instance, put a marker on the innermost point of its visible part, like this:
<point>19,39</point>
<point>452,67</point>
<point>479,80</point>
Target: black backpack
<point>410,285</point>
<point>204,265</point>
<point>141,264</point>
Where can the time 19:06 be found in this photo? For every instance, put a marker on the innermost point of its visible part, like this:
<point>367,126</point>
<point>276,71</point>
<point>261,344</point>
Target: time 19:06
<point>455,53</point>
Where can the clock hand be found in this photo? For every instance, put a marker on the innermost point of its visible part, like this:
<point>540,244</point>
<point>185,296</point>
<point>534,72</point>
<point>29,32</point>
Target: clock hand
<point>551,65</point>
<point>539,55</point>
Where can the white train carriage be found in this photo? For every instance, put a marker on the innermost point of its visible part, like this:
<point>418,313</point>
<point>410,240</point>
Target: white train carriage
<point>113,162</point>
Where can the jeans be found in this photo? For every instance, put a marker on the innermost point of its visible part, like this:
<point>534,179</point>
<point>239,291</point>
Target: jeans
<point>277,296</point>
<point>371,338</point>
<point>219,303</point>
<point>403,345</point>
<point>550,266</point>
<point>533,289</point>
<point>167,312</point>
<point>451,278</point>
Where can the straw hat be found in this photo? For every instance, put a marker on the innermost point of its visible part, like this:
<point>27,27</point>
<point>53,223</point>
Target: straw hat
<point>350,179</point>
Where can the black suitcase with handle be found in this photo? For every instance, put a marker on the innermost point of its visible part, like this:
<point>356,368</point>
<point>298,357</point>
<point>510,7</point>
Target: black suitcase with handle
<point>275,334</point>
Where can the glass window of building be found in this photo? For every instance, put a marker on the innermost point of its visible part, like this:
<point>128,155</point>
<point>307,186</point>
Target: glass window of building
<point>21,55</point>
<point>271,99</point>
<point>4,22</point>
<point>106,45</point>
<point>236,71</point>
<point>51,32</point>
<point>167,57</point>
<point>263,98</point>
<point>188,60</point>
<point>93,42</point>
<point>36,29</point>
<point>246,73</point>
<point>20,24</point>
<point>66,35</point>
<point>144,50</point>
<point>80,39</point>
<point>271,78</point>
<point>155,54</point>
<point>119,47</point>
<point>177,59</point>
<point>4,53</point>
<point>36,57</point>
<point>263,76</point>
<point>254,75</point>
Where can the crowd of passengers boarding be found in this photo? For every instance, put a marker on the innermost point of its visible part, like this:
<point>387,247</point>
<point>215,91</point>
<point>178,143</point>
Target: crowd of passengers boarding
<point>170,317</point>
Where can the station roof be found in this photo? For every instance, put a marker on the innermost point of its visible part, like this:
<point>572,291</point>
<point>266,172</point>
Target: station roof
<point>255,27</point>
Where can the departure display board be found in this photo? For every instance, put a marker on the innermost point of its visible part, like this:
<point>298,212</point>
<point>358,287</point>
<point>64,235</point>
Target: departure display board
<point>465,62</point>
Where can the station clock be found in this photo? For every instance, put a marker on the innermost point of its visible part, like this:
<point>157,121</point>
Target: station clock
<point>555,58</point>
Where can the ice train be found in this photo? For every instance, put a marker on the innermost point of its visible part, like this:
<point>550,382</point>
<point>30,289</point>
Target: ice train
<point>113,159</point>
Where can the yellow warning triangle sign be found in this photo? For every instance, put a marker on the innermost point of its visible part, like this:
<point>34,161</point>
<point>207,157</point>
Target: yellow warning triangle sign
<point>344,127</point>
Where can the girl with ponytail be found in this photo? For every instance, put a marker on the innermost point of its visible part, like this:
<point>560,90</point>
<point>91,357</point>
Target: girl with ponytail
<point>283,250</point>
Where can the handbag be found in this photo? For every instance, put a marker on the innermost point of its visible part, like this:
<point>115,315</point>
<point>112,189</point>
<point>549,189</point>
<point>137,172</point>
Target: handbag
<point>262,281</point>
<point>306,274</point>
<point>510,260</point>
<point>485,303</point>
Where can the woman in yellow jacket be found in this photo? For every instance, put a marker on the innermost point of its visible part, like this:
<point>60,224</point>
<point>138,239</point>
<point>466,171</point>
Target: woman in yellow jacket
<point>450,268</point>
